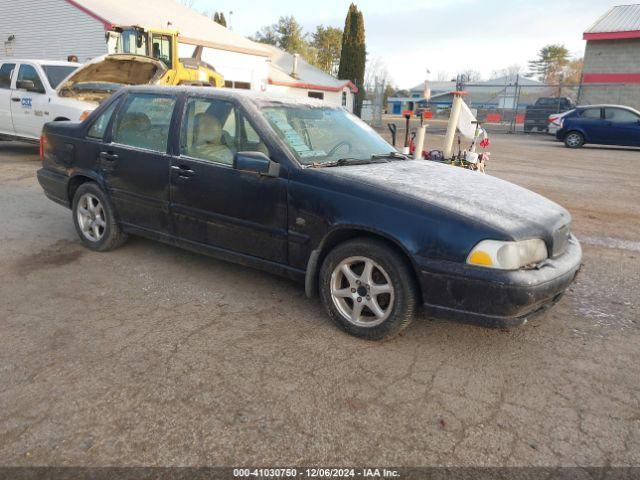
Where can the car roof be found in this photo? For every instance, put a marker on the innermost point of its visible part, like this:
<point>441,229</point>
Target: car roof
<point>40,62</point>
<point>258,98</point>
<point>603,105</point>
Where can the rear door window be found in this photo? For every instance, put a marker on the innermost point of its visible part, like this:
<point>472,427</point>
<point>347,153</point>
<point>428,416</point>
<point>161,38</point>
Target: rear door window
<point>5,75</point>
<point>591,113</point>
<point>99,127</point>
<point>144,121</point>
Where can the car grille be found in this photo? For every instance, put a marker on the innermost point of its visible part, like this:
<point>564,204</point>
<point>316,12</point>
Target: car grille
<point>560,240</point>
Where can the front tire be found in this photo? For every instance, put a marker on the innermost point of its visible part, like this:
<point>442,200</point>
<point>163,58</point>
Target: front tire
<point>94,219</point>
<point>368,289</point>
<point>574,140</point>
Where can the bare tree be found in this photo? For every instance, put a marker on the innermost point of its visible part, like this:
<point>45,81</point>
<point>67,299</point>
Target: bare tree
<point>187,3</point>
<point>443,76</point>
<point>376,68</point>
<point>509,73</point>
<point>470,76</point>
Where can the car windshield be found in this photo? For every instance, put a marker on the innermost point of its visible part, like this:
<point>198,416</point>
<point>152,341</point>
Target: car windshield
<point>57,73</point>
<point>325,135</point>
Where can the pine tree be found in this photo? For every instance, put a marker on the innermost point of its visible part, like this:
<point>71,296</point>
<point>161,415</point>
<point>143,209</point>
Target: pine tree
<point>288,35</point>
<point>551,61</point>
<point>353,57</point>
<point>219,19</point>
<point>327,42</point>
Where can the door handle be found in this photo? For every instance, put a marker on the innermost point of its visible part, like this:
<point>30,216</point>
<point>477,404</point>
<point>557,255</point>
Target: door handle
<point>182,171</point>
<point>15,99</point>
<point>108,156</point>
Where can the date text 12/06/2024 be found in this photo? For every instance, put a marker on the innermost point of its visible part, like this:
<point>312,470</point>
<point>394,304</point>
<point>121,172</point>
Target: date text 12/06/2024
<point>315,473</point>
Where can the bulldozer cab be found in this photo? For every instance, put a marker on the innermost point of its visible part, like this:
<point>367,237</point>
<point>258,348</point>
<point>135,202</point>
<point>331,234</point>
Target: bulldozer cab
<point>163,45</point>
<point>134,40</point>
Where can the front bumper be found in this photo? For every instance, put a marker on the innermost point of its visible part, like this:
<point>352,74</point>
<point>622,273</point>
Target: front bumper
<point>496,298</point>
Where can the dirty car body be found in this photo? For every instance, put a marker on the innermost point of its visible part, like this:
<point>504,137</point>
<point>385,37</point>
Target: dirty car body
<point>281,203</point>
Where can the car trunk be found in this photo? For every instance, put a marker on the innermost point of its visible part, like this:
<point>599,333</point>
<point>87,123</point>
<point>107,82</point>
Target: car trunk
<point>98,79</point>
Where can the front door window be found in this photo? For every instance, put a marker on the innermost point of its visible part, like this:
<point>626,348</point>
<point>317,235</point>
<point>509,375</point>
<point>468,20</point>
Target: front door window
<point>215,130</point>
<point>28,73</point>
<point>620,115</point>
<point>209,131</point>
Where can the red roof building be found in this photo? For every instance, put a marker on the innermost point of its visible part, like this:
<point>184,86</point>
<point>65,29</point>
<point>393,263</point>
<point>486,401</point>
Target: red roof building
<point>611,71</point>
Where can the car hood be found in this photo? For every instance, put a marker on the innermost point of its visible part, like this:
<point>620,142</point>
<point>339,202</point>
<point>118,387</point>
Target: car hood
<point>502,205</point>
<point>118,69</point>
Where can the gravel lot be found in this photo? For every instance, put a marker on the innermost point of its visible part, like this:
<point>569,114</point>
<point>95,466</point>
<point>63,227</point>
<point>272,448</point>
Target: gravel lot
<point>150,355</point>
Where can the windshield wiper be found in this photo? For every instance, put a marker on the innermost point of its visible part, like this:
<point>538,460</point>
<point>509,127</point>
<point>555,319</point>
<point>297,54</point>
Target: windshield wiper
<point>396,155</point>
<point>346,161</point>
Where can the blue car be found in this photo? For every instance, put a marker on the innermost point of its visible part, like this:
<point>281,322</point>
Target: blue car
<point>308,191</point>
<point>602,125</point>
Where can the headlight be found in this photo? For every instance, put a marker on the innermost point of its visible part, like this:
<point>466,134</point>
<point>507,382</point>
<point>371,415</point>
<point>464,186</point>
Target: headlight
<point>508,255</point>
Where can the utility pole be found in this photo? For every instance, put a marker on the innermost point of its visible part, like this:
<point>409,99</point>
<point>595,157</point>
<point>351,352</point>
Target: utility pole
<point>560,79</point>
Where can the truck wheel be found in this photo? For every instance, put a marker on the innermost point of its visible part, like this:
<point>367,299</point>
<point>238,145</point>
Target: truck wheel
<point>368,289</point>
<point>528,128</point>
<point>574,140</point>
<point>94,219</point>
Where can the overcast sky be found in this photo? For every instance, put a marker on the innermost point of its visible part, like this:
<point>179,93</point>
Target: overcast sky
<point>413,36</point>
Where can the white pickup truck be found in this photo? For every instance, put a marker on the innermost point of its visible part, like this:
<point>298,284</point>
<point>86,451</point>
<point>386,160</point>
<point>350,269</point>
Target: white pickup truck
<point>34,92</point>
<point>28,97</point>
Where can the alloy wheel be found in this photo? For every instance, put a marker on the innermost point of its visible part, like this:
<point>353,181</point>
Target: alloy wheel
<point>362,291</point>
<point>574,139</point>
<point>91,217</point>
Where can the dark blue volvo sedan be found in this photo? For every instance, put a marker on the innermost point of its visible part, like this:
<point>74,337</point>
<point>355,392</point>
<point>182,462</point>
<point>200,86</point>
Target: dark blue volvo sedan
<point>310,192</point>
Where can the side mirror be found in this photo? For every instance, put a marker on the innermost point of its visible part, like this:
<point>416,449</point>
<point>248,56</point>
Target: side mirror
<point>29,86</point>
<point>256,162</point>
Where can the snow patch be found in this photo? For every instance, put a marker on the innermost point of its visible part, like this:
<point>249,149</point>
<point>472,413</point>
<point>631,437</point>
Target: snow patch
<point>610,242</point>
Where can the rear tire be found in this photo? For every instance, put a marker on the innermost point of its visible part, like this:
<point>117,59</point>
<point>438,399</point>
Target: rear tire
<point>94,219</point>
<point>574,140</point>
<point>368,289</point>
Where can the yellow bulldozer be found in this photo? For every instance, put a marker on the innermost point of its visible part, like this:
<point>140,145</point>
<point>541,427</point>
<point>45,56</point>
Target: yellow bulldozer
<point>163,45</point>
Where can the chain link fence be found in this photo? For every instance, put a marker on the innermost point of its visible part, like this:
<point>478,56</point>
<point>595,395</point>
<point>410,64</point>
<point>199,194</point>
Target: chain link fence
<point>518,106</point>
